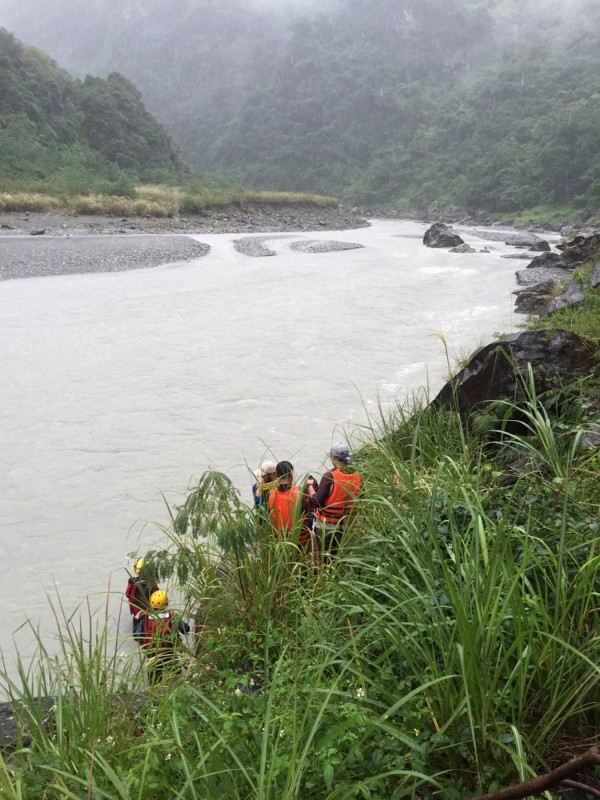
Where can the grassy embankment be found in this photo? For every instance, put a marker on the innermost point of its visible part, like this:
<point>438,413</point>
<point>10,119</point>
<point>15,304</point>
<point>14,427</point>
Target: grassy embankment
<point>452,648</point>
<point>155,201</point>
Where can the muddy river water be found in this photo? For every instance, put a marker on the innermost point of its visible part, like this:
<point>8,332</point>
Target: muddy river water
<point>119,387</point>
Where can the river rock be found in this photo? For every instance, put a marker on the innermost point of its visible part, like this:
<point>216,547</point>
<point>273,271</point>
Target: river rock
<point>554,260</point>
<point>463,248</point>
<point>542,246</point>
<point>581,248</point>
<point>498,370</point>
<point>38,231</point>
<point>570,296</point>
<point>440,235</point>
<point>530,241</point>
<point>534,299</point>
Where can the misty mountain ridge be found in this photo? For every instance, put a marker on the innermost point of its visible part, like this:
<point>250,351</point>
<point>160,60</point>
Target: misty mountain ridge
<point>77,134</point>
<point>476,103</point>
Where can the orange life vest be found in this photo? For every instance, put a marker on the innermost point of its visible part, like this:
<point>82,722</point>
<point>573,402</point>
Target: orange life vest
<point>345,489</point>
<point>283,508</point>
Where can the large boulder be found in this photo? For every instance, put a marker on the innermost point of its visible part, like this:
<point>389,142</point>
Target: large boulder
<point>581,248</point>
<point>499,370</point>
<point>534,299</point>
<point>553,260</point>
<point>528,240</point>
<point>440,235</point>
<point>571,295</point>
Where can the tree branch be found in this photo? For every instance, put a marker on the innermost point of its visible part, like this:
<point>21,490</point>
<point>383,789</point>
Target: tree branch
<point>543,782</point>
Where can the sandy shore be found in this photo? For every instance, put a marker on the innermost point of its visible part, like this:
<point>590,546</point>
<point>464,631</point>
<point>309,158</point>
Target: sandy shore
<point>43,244</point>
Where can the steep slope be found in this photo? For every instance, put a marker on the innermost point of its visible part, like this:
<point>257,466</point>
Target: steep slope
<point>71,131</point>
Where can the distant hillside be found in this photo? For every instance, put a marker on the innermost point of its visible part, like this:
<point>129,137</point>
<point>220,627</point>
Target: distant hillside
<point>474,103</point>
<point>75,134</point>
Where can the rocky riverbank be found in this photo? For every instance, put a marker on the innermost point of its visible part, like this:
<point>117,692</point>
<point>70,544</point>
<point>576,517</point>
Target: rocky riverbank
<point>44,244</point>
<point>252,219</point>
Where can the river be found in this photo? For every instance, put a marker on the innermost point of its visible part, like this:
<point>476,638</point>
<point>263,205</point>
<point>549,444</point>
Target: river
<point>118,387</point>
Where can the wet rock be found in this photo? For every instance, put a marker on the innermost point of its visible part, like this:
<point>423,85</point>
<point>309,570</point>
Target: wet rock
<point>529,276</point>
<point>570,296</point>
<point>441,235</point>
<point>581,248</point>
<point>534,299</point>
<point>531,241</point>
<point>542,246</point>
<point>554,260</point>
<point>463,248</point>
<point>500,369</point>
<point>38,231</point>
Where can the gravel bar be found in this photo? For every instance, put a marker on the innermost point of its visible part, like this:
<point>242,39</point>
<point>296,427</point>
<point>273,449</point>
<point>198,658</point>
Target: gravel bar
<point>24,257</point>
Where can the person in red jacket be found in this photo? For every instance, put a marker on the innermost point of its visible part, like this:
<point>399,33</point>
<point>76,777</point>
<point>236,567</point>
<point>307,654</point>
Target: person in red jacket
<point>334,499</point>
<point>158,633</point>
<point>288,507</point>
<point>137,591</point>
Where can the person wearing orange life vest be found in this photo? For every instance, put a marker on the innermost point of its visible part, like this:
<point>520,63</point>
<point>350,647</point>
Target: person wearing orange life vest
<point>334,500</point>
<point>158,633</point>
<point>288,505</point>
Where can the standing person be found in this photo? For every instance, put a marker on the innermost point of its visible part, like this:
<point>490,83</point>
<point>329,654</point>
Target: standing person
<point>334,500</point>
<point>138,592</point>
<point>158,633</point>
<point>284,501</point>
<point>266,476</point>
<point>289,508</point>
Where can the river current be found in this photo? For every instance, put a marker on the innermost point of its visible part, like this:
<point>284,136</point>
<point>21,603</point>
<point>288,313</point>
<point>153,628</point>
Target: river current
<point>119,387</point>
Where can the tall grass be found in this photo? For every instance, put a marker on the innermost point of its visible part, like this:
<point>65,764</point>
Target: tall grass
<point>156,201</point>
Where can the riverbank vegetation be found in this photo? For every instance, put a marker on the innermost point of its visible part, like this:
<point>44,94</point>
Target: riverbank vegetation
<point>479,105</point>
<point>451,648</point>
<point>487,106</point>
<point>155,201</point>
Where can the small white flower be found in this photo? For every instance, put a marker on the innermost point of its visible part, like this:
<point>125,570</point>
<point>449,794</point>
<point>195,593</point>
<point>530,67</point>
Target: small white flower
<point>168,757</point>
<point>238,691</point>
<point>361,692</point>
<point>281,733</point>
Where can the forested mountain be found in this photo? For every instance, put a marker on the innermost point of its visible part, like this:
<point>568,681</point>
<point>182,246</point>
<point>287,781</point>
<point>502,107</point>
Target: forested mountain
<point>74,133</point>
<point>476,103</point>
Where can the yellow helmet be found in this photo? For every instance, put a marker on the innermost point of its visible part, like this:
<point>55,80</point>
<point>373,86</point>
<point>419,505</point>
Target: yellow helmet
<point>137,567</point>
<point>159,600</point>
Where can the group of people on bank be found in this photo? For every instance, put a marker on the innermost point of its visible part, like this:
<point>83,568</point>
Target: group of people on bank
<point>319,511</point>
<point>316,512</point>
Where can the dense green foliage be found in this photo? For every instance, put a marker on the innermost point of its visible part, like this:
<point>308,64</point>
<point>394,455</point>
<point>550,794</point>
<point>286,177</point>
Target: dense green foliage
<point>75,136</point>
<point>476,103</point>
